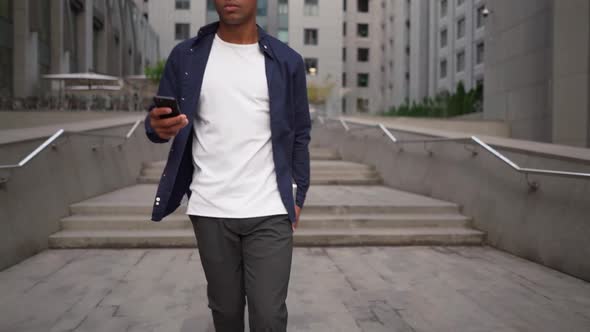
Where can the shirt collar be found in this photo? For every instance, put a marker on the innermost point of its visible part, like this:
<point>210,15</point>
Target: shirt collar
<point>212,28</point>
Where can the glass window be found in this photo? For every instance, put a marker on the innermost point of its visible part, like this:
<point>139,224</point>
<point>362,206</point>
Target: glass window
<point>182,4</point>
<point>344,28</point>
<point>344,54</point>
<point>363,6</point>
<point>344,80</point>
<point>362,55</point>
<point>261,6</point>
<point>460,61</point>
<point>460,2</point>
<point>211,5</point>
<point>283,35</point>
<point>443,68</point>
<point>311,8</point>
<point>480,18</point>
<point>344,5</point>
<point>444,37</point>
<point>310,36</point>
<point>479,53</point>
<point>311,66</point>
<point>283,7</point>
<point>362,105</point>
<point>461,28</point>
<point>181,31</point>
<point>362,80</point>
<point>362,30</point>
<point>444,7</point>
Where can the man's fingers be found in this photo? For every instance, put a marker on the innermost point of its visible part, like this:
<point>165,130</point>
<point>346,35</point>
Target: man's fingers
<point>170,123</point>
<point>158,111</point>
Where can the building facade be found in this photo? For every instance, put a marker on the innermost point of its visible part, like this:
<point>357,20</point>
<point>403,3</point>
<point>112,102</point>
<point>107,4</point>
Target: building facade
<point>311,27</point>
<point>437,45</point>
<point>62,36</point>
<point>537,70</point>
<point>368,56</point>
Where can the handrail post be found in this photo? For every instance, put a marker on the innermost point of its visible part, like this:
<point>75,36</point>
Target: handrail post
<point>344,124</point>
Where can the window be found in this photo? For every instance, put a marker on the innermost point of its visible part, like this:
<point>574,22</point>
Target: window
<point>283,7</point>
<point>479,53</point>
<point>460,2</point>
<point>362,30</point>
<point>261,6</point>
<point>344,54</point>
<point>362,105</point>
<point>363,6</point>
<point>444,38</point>
<point>343,105</point>
<point>283,35</point>
<point>480,18</point>
<point>344,28</point>
<point>362,80</point>
<point>444,8</point>
<point>362,55</point>
<point>343,80</point>
<point>182,4</point>
<point>311,8</point>
<point>311,66</point>
<point>181,31</point>
<point>443,68</point>
<point>211,5</point>
<point>310,36</point>
<point>344,5</point>
<point>460,61</point>
<point>461,28</point>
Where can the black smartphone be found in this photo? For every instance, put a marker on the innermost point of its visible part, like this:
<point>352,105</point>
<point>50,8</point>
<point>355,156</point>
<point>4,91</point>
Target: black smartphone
<point>169,102</point>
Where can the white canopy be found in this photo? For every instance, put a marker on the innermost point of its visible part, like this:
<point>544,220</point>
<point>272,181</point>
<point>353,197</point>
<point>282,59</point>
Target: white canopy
<point>86,79</point>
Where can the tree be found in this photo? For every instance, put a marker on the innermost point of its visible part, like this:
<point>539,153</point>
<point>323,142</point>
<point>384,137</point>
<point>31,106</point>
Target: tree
<point>154,73</point>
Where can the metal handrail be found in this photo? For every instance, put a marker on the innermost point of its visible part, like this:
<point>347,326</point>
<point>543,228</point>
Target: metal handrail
<point>54,137</point>
<point>472,140</point>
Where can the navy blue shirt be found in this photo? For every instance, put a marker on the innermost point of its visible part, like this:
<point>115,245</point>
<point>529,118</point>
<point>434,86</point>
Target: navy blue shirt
<point>290,122</point>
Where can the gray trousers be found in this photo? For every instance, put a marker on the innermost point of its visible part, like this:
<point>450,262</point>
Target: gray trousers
<point>246,258</point>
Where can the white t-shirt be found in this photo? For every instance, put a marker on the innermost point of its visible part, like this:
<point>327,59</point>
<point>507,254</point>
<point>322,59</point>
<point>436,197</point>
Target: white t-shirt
<point>234,173</point>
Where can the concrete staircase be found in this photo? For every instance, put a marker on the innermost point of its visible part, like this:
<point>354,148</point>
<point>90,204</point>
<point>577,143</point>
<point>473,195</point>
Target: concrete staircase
<point>326,169</point>
<point>345,206</point>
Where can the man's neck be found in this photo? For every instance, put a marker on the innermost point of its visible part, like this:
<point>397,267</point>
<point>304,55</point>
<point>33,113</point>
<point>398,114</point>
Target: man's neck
<point>246,33</point>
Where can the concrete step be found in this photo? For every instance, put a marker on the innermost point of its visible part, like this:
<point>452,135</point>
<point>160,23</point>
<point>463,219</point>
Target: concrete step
<point>325,179</point>
<point>109,209</point>
<point>315,154</point>
<point>307,220</point>
<point>336,200</point>
<point>315,165</point>
<point>302,237</point>
<point>345,174</point>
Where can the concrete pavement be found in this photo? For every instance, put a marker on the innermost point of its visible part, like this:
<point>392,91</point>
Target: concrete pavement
<point>421,289</point>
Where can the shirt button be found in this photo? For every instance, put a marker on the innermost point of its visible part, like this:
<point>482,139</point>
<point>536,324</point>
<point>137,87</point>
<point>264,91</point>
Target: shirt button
<point>157,203</point>
<point>182,98</point>
<point>157,199</point>
<point>264,46</point>
<point>186,73</point>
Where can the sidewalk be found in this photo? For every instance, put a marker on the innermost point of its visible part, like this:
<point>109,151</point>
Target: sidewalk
<point>332,289</point>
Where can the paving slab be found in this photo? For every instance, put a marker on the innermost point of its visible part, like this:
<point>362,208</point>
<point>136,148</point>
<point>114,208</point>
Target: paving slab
<point>421,289</point>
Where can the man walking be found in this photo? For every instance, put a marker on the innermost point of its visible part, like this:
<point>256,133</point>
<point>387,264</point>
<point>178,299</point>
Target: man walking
<point>241,140</point>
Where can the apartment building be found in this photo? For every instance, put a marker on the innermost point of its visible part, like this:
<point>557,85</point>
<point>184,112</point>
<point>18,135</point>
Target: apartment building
<point>367,55</point>
<point>40,37</point>
<point>457,46</point>
<point>311,27</point>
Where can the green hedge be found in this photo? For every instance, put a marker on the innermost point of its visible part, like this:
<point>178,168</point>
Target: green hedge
<point>444,105</point>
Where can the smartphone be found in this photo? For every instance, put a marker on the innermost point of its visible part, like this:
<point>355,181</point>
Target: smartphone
<point>169,102</point>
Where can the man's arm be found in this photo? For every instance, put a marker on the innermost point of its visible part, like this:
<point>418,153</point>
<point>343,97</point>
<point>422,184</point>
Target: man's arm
<point>167,88</point>
<point>302,135</point>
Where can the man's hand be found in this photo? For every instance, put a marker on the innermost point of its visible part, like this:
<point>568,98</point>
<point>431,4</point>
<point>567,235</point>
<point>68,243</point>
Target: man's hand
<point>166,128</point>
<point>297,213</point>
